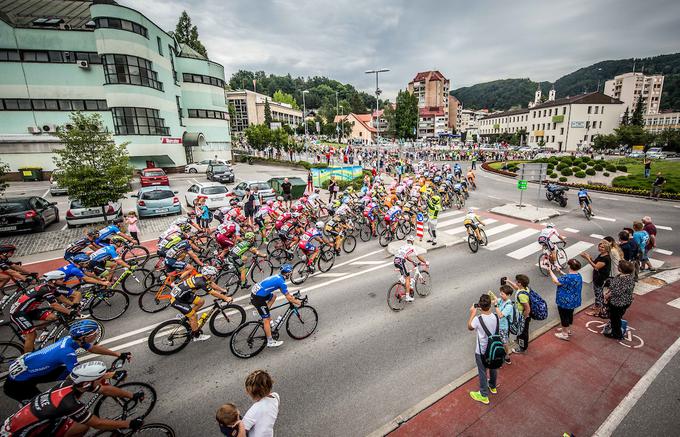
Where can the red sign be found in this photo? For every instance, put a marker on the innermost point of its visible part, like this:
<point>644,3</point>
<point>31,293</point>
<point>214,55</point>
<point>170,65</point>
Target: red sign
<point>168,140</point>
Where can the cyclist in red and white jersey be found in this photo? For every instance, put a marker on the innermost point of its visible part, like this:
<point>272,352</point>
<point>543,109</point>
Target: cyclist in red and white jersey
<point>405,253</point>
<point>546,238</point>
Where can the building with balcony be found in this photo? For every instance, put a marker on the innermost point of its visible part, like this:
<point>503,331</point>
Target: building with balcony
<point>456,113</point>
<point>161,97</point>
<point>566,124</point>
<point>657,123</point>
<point>249,106</point>
<point>632,88</point>
<point>432,90</point>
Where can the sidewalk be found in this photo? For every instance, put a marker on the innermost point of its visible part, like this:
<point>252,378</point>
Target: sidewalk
<point>561,387</point>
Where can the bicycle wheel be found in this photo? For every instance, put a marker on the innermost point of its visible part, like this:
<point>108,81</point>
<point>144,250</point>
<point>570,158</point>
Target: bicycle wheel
<point>108,304</point>
<point>300,273</point>
<point>349,244</point>
<point>278,257</point>
<point>111,407</point>
<point>395,296</point>
<point>385,237</point>
<point>169,337</point>
<point>9,351</point>
<point>423,285</point>
<point>225,321</point>
<point>152,278</point>
<point>473,243</point>
<point>134,282</point>
<point>261,269</point>
<point>562,257</point>
<point>139,254</point>
<point>248,340</point>
<point>484,240</point>
<point>302,322</point>
<point>544,264</point>
<point>152,262</point>
<point>326,259</point>
<point>152,302</point>
<point>365,233</point>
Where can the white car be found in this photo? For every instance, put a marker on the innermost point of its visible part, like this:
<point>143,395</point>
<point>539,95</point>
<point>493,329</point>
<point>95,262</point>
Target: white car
<point>78,215</point>
<point>202,166</point>
<point>217,194</point>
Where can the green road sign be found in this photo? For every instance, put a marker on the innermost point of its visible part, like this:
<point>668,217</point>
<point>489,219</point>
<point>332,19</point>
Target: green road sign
<point>521,184</point>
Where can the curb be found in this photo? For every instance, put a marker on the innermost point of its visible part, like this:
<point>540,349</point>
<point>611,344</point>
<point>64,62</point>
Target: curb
<point>540,219</point>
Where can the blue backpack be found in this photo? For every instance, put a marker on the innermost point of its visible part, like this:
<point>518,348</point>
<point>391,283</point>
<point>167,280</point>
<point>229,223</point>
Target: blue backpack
<point>539,308</point>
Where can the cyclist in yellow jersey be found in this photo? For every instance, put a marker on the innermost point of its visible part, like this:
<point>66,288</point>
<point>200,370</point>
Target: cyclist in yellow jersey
<point>471,221</point>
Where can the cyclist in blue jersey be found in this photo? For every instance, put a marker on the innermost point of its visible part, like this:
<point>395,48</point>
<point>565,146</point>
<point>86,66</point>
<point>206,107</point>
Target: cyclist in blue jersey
<point>79,246</point>
<point>100,257</point>
<point>106,234</point>
<point>584,198</point>
<point>54,362</point>
<point>262,298</point>
<point>75,274</point>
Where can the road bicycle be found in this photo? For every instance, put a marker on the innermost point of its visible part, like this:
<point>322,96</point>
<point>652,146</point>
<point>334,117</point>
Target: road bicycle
<point>587,211</point>
<point>8,298</point>
<point>151,429</point>
<point>258,269</point>
<point>132,280</point>
<point>420,282</point>
<point>324,262</point>
<point>301,322</point>
<point>173,335</point>
<point>134,252</point>
<point>9,351</point>
<point>104,304</point>
<point>281,251</point>
<point>398,230</point>
<point>473,241</point>
<point>544,263</point>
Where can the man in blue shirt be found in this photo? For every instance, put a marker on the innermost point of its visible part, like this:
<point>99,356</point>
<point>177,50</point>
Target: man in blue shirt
<point>100,257</point>
<point>262,298</point>
<point>54,362</point>
<point>106,234</point>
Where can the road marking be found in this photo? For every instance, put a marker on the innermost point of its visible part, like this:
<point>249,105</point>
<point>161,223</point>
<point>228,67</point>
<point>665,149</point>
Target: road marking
<point>665,228</point>
<point>525,251</point>
<point>664,252</point>
<point>367,263</point>
<point>675,303</point>
<point>597,236</point>
<point>451,214</point>
<point>449,222</point>
<point>573,231</point>
<point>63,228</point>
<point>607,198</point>
<point>493,197</point>
<point>656,263</point>
<point>512,238</point>
<point>502,228</point>
<point>460,229</point>
<point>331,275</point>
<point>621,411</point>
<point>607,219</point>
<point>577,248</point>
<point>45,193</point>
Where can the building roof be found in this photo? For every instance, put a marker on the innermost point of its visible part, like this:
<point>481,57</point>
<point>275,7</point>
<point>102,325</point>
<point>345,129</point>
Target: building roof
<point>430,111</point>
<point>429,75</point>
<point>188,52</point>
<point>507,113</point>
<point>74,13</point>
<point>594,98</point>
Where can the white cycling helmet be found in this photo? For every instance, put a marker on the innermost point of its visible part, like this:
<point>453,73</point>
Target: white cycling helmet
<point>319,225</point>
<point>181,221</point>
<point>550,225</point>
<point>54,275</point>
<point>209,270</point>
<point>88,372</point>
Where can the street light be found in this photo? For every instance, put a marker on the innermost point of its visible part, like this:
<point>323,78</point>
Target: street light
<point>598,79</point>
<point>377,98</point>
<point>304,114</point>
<point>337,110</point>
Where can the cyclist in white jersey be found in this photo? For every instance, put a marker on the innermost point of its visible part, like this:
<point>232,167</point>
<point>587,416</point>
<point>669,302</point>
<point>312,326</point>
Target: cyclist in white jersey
<point>405,253</point>
<point>546,238</point>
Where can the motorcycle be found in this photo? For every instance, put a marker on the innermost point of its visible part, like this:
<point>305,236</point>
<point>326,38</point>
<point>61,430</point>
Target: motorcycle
<point>557,193</point>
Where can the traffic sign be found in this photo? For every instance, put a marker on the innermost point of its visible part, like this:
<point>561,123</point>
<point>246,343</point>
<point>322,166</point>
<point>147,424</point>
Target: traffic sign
<point>521,184</point>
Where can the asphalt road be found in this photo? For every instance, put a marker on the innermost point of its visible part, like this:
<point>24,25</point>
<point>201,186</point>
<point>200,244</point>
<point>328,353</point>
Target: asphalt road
<point>366,364</point>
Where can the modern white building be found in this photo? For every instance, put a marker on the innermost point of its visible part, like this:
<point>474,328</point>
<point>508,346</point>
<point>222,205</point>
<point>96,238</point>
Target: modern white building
<point>633,87</point>
<point>249,109</point>
<point>565,124</point>
<point>656,123</point>
<point>469,119</point>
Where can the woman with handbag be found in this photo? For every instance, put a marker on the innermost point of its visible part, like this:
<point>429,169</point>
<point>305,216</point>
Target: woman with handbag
<point>619,296</point>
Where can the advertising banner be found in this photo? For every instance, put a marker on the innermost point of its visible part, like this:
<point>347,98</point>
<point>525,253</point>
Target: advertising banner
<point>319,175</point>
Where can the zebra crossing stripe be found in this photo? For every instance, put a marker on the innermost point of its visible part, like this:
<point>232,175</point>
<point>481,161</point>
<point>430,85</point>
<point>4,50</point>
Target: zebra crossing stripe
<point>607,219</point>
<point>525,251</point>
<point>665,228</point>
<point>497,244</point>
<point>664,252</point>
<point>576,248</point>
<point>448,222</point>
<point>460,229</point>
<point>502,228</point>
<point>597,236</point>
<point>451,214</point>
<point>573,231</point>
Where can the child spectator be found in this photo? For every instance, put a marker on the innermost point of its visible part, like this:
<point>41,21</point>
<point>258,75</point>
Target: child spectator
<point>504,311</point>
<point>131,222</point>
<point>229,420</point>
<point>261,416</point>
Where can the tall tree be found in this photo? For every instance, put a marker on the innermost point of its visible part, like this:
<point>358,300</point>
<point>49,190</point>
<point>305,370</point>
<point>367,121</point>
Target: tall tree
<point>4,168</point>
<point>281,97</point>
<point>188,34</point>
<point>406,115</point>
<point>625,121</point>
<point>636,118</point>
<point>356,103</point>
<point>267,114</point>
<point>95,170</point>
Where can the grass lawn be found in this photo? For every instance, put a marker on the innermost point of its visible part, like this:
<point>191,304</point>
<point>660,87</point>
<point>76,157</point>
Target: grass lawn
<point>499,164</point>
<point>636,179</point>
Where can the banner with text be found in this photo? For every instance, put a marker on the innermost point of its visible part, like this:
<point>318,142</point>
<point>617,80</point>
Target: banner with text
<point>319,175</point>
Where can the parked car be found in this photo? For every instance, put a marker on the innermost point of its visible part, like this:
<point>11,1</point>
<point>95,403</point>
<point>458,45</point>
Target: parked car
<point>220,173</point>
<point>217,194</point>
<point>27,213</point>
<point>636,154</point>
<point>202,166</point>
<point>263,188</point>
<point>55,189</point>
<point>153,176</point>
<point>78,215</point>
<point>153,201</point>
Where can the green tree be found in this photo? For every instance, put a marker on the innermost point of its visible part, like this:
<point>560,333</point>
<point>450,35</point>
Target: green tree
<point>4,168</point>
<point>356,103</point>
<point>95,170</point>
<point>406,115</point>
<point>389,115</point>
<point>636,119</point>
<point>258,136</point>
<point>267,114</point>
<point>188,34</point>
<point>632,135</point>
<point>669,139</point>
<point>281,97</point>
<point>625,120</point>
<point>603,142</point>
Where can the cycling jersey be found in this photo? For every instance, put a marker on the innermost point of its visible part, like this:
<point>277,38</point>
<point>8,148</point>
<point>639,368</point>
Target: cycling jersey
<point>78,246</point>
<point>106,234</point>
<point>185,290</point>
<point>71,271</point>
<point>241,248</point>
<point>104,254</point>
<point>392,213</point>
<point>39,363</point>
<point>548,233</point>
<point>268,286</point>
<point>168,233</point>
<point>178,249</point>
<point>343,209</point>
<point>229,228</point>
<point>471,218</point>
<point>32,299</point>
<point>306,240</point>
<point>405,251</point>
<point>582,194</point>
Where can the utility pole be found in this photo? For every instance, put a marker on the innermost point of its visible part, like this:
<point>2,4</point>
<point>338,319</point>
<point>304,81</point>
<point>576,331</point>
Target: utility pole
<point>377,101</point>
<point>304,115</point>
<point>337,110</point>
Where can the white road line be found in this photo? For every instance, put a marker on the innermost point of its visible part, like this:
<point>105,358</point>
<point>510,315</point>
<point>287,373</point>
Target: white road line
<point>502,228</point>
<point>497,244</point>
<point>460,229</point>
<point>621,411</point>
<point>573,231</point>
<point>451,214</point>
<point>656,263</point>
<point>597,236</point>
<point>665,228</point>
<point>63,228</point>
<point>494,197</point>
<point>449,222</point>
<point>607,219</point>
<point>331,275</point>
<point>664,252</point>
<point>45,193</point>
<point>367,263</point>
<point>525,251</point>
<point>675,303</point>
<point>577,248</point>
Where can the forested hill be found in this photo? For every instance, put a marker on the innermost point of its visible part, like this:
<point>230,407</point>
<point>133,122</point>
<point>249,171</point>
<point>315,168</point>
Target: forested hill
<point>507,93</point>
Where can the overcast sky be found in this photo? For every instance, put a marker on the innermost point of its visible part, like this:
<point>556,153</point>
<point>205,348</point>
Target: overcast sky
<point>469,42</point>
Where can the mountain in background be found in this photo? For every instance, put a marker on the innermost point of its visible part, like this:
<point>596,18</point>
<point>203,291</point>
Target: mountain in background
<point>511,93</point>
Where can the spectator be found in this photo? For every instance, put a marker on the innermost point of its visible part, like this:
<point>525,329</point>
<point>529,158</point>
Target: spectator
<point>475,324</point>
<point>651,243</point>
<point>286,188</point>
<point>332,189</point>
<point>261,416</point>
<point>657,186</point>
<point>619,297</point>
<point>641,237</point>
<point>131,222</point>
<point>601,270</point>
<point>204,215</point>
<point>616,255</point>
<point>567,297</point>
<point>310,183</point>
<point>630,249</point>
<point>648,166</point>
<point>229,420</point>
<point>524,307</point>
<point>249,206</point>
<point>504,311</point>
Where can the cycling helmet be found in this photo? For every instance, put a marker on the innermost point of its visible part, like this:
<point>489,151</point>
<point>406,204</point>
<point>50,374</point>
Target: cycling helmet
<point>279,198</point>
<point>249,236</point>
<point>319,225</point>
<point>117,239</point>
<point>54,275</point>
<point>7,248</point>
<point>286,268</point>
<point>92,233</point>
<point>81,258</point>
<point>410,239</point>
<point>233,201</point>
<point>550,225</point>
<point>336,203</point>
<point>270,203</point>
<point>345,200</point>
<point>181,221</point>
<point>88,372</point>
<point>83,328</point>
<point>208,270</point>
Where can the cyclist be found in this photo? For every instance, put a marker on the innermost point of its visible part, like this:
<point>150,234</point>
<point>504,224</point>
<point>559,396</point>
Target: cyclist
<point>102,256</point>
<point>262,298</point>
<point>54,362</point>
<point>175,258</point>
<point>471,178</point>
<point>334,227</point>
<point>585,200</point>
<point>434,207</point>
<point>405,252</point>
<point>227,233</point>
<point>107,233</point>
<point>238,257</point>
<point>471,221</point>
<point>308,248</point>
<point>184,297</point>
<point>59,411</point>
<point>9,269</point>
<point>79,246</point>
<point>392,216</point>
<point>77,270</point>
<point>370,211</point>
<point>545,239</point>
<point>263,217</point>
<point>457,171</point>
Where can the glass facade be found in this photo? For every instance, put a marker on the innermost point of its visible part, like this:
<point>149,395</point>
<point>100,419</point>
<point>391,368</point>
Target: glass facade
<point>121,24</point>
<point>138,121</point>
<point>132,70</point>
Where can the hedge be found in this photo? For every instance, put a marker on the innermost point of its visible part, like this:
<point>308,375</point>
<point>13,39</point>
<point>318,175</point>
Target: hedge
<point>553,175</point>
<point>605,174</point>
<point>583,165</point>
<point>563,179</point>
<point>580,174</point>
<point>577,161</point>
<point>356,183</point>
<point>575,169</point>
<point>611,168</point>
<point>566,172</point>
<point>622,168</point>
<point>562,166</point>
<point>598,167</point>
<point>590,172</point>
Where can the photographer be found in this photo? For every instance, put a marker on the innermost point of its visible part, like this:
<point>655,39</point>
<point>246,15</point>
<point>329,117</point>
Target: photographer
<point>524,307</point>
<point>490,320</point>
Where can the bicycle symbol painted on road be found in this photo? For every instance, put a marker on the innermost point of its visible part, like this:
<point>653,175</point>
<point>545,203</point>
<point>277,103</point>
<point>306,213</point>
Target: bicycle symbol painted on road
<point>629,340</point>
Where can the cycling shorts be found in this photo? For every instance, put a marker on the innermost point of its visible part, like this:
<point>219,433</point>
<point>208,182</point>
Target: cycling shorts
<point>172,264</point>
<point>25,320</point>
<point>546,242</point>
<point>307,247</point>
<point>69,256</point>
<point>470,224</point>
<point>332,232</point>
<point>284,235</point>
<point>400,263</point>
<point>224,241</point>
<point>98,267</point>
<point>582,200</point>
<point>185,305</point>
<point>236,261</point>
<point>259,221</point>
<point>260,304</point>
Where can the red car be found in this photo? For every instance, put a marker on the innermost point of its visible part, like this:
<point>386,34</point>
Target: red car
<point>153,176</point>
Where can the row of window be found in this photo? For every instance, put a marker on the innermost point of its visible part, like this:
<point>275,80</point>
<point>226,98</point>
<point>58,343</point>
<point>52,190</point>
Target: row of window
<point>127,69</point>
<point>138,121</point>
<point>207,113</point>
<point>52,105</point>
<point>52,56</point>
<point>120,24</point>
<point>590,108</point>
<point>202,78</point>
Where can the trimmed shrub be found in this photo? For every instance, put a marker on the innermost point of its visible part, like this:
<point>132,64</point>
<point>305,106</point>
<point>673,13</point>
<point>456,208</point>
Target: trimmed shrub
<point>583,165</point>
<point>561,166</point>
<point>576,161</point>
<point>575,168</point>
<point>550,166</point>
<point>580,174</point>
<point>563,179</point>
<point>611,168</point>
<point>553,175</point>
<point>566,172</point>
<point>598,167</point>
<point>590,172</point>
<point>622,168</point>
<point>605,174</point>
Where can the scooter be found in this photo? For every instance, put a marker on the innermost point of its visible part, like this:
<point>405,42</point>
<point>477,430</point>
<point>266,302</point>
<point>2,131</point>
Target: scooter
<point>557,193</point>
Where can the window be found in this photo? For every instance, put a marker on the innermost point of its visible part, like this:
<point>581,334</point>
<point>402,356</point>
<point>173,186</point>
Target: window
<point>564,110</point>
<point>597,109</point>
<point>120,24</point>
<point>9,55</point>
<point>590,109</point>
<point>179,110</point>
<point>587,124</point>
<point>160,45</point>
<point>138,121</point>
<point>602,110</point>
<point>53,105</point>
<point>52,56</point>
<point>561,131</point>
<point>199,78</point>
<point>600,124</point>
<point>126,69</point>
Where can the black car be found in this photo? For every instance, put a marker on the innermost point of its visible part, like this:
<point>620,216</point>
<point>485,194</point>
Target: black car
<point>26,213</point>
<point>220,173</point>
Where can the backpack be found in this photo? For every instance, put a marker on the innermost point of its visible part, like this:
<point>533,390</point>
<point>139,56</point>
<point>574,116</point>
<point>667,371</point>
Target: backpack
<point>517,325</point>
<point>539,308</point>
<point>494,355</point>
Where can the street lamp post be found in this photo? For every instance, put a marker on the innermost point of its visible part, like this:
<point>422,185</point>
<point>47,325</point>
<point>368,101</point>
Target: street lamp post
<point>377,101</point>
<point>598,79</point>
<point>304,116</point>
<point>337,110</point>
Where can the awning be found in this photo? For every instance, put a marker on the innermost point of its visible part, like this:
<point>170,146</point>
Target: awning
<point>139,162</point>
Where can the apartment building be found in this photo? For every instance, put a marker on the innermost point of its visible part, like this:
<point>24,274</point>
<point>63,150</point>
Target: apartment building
<point>456,112</point>
<point>432,90</point>
<point>656,123</point>
<point>631,88</point>
<point>469,119</point>
<point>161,97</point>
<point>565,124</point>
<point>249,109</point>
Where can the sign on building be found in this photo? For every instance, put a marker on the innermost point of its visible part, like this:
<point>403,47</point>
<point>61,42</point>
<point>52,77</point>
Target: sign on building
<point>578,124</point>
<point>168,140</point>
